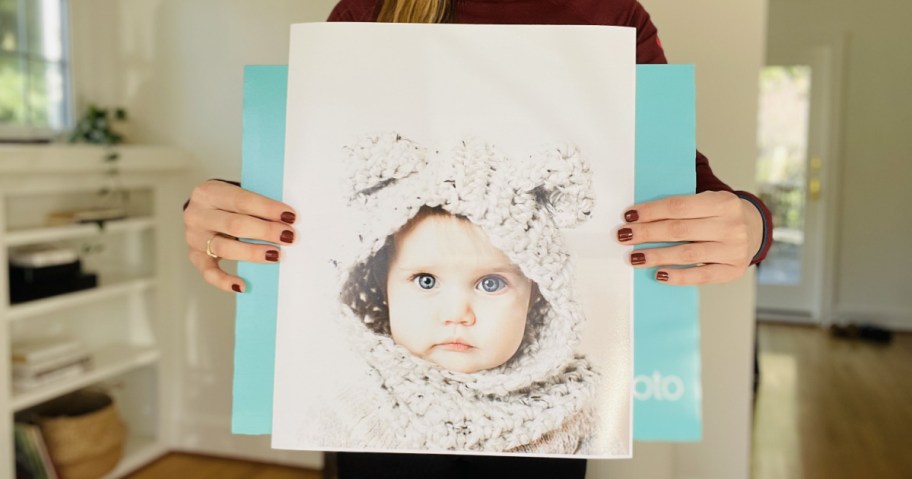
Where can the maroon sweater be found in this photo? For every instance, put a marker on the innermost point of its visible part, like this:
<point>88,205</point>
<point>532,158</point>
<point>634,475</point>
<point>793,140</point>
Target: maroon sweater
<point>625,13</point>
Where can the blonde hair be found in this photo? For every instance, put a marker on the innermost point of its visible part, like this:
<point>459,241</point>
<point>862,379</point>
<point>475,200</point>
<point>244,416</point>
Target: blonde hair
<point>415,11</point>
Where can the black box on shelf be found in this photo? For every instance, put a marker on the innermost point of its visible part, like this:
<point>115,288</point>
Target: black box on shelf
<point>22,292</point>
<point>31,275</point>
<point>42,273</point>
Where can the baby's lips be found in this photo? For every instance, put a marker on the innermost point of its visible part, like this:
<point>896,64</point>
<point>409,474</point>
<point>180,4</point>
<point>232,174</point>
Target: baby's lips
<point>454,345</point>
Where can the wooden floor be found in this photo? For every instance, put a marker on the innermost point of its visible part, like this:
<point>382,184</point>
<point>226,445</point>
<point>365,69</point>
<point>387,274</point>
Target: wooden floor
<point>827,408</point>
<point>191,466</point>
<point>832,408</point>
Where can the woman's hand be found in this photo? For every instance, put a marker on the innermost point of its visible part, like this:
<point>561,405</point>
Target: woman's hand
<point>722,233</point>
<point>217,214</point>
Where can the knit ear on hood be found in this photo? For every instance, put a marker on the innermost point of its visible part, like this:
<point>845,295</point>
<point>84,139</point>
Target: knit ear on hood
<point>382,160</point>
<point>560,182</point>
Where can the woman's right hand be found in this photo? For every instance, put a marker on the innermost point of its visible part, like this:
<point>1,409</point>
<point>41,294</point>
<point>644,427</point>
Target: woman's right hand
<point>217,214</point>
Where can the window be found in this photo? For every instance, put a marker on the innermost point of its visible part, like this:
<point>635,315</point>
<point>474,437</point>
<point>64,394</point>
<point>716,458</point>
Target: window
<point>34,69</point>
<point>784,122</point>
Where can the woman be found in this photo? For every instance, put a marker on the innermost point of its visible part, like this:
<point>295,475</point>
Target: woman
<point>725,231</point>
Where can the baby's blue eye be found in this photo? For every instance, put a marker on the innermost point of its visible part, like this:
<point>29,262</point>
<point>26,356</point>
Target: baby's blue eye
<point>425,281</point>
<point>492,284</point>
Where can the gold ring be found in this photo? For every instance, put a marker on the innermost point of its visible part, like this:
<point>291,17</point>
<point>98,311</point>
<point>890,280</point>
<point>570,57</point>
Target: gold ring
<point>209,247</point>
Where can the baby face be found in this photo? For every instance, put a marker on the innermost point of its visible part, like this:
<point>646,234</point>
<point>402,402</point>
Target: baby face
<point>454,299</point>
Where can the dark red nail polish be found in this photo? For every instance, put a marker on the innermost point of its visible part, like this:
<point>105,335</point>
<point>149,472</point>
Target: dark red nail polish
<point>236,288</point>
<point>272,255</point>
<point>631,216</point>
<point>637,258</point>
<point>662,276</point>
<point>287,236</point>
<point>625,234</point>
<point>288,217</point>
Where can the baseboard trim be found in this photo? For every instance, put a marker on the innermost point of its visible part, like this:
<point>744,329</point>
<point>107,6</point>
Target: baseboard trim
<point>212,436</point>
<point>894,319</point>
<point>790,317</point>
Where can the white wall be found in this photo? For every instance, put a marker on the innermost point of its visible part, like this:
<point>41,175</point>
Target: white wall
<point>873,214</point>
<point>725,41</point>
<point>176,65</point>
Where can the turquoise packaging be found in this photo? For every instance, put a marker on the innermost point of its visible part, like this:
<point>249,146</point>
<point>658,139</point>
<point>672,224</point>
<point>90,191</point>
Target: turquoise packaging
<point>665,321</point>
<point>666,327</point>
<point>262,168</point>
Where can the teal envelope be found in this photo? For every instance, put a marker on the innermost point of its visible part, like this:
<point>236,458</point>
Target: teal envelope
<point>666,329</point>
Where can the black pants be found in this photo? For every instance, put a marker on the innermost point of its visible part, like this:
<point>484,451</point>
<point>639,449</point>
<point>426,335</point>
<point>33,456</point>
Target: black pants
<point>352,465</point>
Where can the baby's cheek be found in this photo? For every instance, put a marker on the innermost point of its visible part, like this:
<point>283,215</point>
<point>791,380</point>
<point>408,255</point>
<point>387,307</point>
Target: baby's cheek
<point>512,333</point>
<point>404,341</point>
<point>398,328</point>
<point>513,321</point>
<point>409,330</point>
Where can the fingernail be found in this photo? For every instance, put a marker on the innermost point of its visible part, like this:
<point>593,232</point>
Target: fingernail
<point>236,288</point>
<point>637,258</point>
<point>288,217</point>
<point>625,234</point>
<point>662,276</point>
<point>287,236</point>
<point>631,216</point>
<point>272,255</point>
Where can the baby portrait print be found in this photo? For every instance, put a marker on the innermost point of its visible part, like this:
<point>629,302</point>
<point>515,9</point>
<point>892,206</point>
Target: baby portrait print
<point>461,300</point>
<point>455,288</point>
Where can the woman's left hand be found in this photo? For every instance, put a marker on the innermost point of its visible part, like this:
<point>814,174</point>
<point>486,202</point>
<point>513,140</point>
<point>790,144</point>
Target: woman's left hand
<point>721,231</point>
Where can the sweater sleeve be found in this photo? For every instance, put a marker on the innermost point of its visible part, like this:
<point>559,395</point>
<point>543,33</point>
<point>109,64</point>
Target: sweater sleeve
<point>649,51</point>
<point>648,46</point>
<point>354,11</point>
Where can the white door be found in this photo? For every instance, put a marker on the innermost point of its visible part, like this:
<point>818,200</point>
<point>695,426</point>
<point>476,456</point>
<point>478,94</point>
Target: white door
<point>795,171</point>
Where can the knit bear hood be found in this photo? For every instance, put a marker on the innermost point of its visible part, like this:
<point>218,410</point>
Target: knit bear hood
<point>520,204</point>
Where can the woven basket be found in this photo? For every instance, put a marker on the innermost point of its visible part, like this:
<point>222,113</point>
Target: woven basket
<point>84,434</point>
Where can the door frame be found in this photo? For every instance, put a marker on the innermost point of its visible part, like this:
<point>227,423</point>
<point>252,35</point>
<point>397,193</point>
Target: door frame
<point>831,53</point>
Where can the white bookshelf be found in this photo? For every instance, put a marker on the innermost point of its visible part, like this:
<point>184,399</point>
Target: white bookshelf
<point>107,363</point>
<point>66,232</point>
<point>126,321</point>
<point>100,293</point>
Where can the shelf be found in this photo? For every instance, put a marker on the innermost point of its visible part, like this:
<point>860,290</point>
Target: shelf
<point>127,320</point>
<point>67,159</point>
<point>138,452</point>
<point>74,231</point>
<point>107,363</point>
<point>70,300</point>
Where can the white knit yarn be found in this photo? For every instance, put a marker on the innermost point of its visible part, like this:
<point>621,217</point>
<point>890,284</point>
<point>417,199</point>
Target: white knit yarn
<point>540,400</point>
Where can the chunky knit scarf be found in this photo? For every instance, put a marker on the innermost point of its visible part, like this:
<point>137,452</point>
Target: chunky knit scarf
<point>417,405</point>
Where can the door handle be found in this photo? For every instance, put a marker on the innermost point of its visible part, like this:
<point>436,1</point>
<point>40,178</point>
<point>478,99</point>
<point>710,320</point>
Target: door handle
<point>814,179</point>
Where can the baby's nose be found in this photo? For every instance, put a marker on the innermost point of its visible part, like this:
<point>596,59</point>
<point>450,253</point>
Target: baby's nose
<point>457,310</point>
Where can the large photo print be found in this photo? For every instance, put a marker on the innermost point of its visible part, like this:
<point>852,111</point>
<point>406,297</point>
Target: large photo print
<point>456,288</point>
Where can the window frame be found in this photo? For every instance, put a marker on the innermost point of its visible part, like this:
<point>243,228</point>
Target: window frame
<point>10,133</point>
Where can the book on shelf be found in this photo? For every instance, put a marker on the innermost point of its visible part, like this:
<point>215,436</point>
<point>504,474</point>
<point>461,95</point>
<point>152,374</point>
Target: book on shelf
<point>51,377</point>
<point>43,256</point>
<point>39,349</point>
<point>40,362</point>
<point>31,451</point>
<point>85,215</point>
<point>37,369</point>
